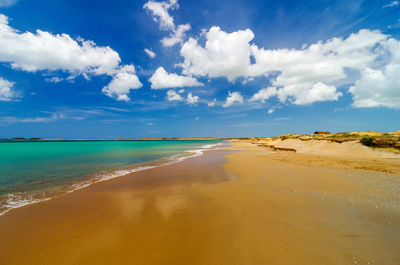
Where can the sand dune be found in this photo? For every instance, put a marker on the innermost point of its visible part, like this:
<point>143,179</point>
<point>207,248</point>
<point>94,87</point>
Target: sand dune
<point>328,148</point>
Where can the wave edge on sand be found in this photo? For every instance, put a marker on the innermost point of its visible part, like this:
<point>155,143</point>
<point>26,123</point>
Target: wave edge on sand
<point>16,200</point>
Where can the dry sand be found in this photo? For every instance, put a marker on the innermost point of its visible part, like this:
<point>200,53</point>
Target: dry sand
<point>346,155</point>
<point>349,149</point>
<point>249,207</point>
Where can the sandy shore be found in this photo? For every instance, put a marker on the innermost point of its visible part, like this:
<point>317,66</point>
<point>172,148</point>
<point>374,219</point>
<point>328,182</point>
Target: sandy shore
<point>225,207</point>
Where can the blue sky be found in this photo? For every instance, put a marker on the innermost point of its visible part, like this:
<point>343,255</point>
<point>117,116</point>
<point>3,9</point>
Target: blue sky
<point>79,69</point>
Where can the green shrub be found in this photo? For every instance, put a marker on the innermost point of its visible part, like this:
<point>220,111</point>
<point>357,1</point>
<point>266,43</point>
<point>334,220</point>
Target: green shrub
<point>368,141</point>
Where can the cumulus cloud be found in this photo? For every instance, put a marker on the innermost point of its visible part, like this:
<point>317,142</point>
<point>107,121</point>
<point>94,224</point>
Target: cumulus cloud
<point>303,95</point>
<point>173,96</point>
<point>5,3</point>
<point>161,79</point>
<point>380,87</point>
<point>301,76</point>
<point>176,36</point>
<point>270,111</point>
<point>308,75</point>
<point>233,98</point>
<point>224,54</point>
<point>6,92</point>
<point>44,51</point>
<point>192,99</point>
<point>317,92</point>
<point>123,81</point>
<point>150,53</point>
<point>364,61</point>
<point>264,94</point>
<point>160,12</point>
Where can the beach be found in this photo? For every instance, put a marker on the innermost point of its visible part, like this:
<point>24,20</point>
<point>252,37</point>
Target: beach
<point>244,204</point>
<point>169,132</point>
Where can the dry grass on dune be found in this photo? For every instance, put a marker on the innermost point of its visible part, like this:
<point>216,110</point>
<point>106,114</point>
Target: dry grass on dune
<point>371,138</point>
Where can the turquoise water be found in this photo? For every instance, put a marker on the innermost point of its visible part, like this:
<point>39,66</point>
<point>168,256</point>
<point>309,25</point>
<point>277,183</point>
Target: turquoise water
<point>33,171</point>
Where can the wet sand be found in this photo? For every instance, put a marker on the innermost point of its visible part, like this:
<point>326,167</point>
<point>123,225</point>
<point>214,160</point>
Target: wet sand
<point>225,207</point>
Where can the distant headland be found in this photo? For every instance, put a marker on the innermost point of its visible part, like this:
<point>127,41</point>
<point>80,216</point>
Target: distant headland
<point>369,138</point>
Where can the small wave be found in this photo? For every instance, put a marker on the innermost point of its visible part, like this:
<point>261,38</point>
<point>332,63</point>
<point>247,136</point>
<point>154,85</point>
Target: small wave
<point>16,200</point>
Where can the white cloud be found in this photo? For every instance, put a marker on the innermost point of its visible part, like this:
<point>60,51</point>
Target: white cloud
<point>161,79</point>
<point>181,91</point>
<point>264,94</point>
<point>392,4</point>
<point>303,95</point>
<point>212,103</point>
<point>270,111</point>
<point>176,36</point>
<point>173,96</point>
<point>150,53</point>
<point>301,76</point>
<point>323,61</point>
<point>43,51</point>
<point>123,81</point>
<point>233,98</point>
<point>54,79</point>
<point>192,99</point>
<point>6,92</point>
<point>5,3</point>
<point>53,117</point>
<point>247,80</point>
<point>318,92</point>
<point>160,12</point>
<point>309,75</point>
<point>224,54</point>
<point>380,87</point>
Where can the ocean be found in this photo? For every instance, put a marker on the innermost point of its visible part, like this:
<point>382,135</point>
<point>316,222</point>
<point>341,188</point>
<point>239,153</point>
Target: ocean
<point>33,171</point>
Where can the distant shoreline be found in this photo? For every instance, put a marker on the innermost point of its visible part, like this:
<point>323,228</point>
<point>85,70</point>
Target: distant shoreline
<point>374,139</point>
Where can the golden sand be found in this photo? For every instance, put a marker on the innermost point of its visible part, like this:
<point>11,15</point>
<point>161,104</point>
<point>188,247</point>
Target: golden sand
<point>249,207</point>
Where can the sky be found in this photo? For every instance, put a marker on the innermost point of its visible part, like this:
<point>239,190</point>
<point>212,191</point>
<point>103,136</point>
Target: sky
<point>185,68</point>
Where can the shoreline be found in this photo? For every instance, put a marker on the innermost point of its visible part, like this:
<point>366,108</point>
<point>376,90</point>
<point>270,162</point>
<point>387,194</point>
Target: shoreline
<point>224,207</point>
<point>149,197</point>
<point>15,200</point>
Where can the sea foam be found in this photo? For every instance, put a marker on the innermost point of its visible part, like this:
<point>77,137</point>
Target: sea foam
<point>16,200</point>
